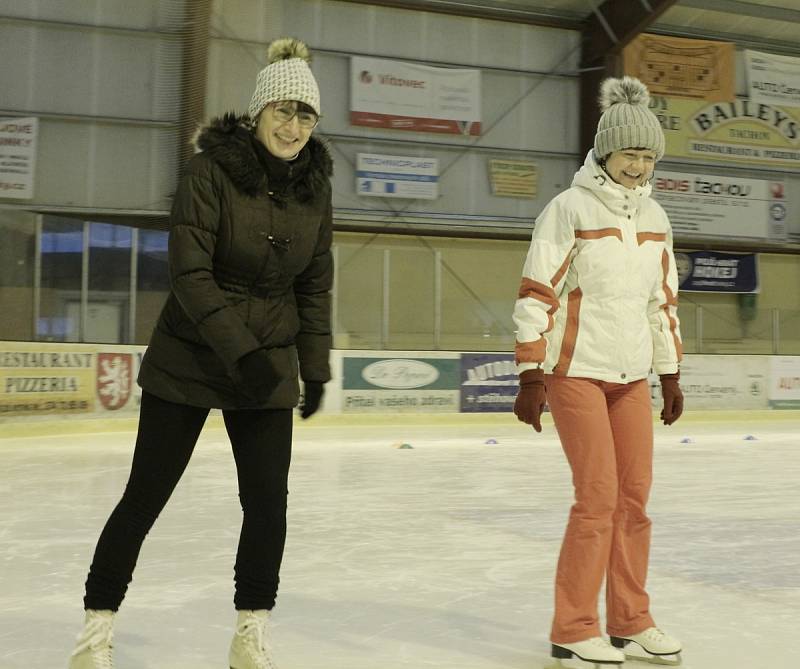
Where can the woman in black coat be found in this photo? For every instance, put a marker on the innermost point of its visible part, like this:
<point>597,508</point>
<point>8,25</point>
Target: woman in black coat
<point>251,272</point>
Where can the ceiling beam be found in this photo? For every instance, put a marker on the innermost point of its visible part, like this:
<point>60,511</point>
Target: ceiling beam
<point>194,73</point>
<point>615,23</point>
<point>506,11</point>
<point>605,33</point>
<point>739,8</point>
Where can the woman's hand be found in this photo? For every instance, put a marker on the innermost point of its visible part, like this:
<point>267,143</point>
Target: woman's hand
<point>530,400</point>
<point>258,374</point>
<point>673,398</point>
<point>312,397</point>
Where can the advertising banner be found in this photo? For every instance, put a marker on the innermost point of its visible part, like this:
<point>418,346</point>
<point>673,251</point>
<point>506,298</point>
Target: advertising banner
<point>405,96</point>
<point>678,66</point>
<point>719,382</point>
<point>400,383</point>
<point>709,205</point>
<point>38,379</point>
<point>489,382</point>
<point>18,157</point>
<point>784,382</point>
<point>379,175</point>
<point>717,272</point>
<point>773,79</point>
<point>742,131</point>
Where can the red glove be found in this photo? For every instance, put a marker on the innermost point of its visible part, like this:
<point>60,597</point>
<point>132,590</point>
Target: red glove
<point>530,400</point>
<point>673,398</point>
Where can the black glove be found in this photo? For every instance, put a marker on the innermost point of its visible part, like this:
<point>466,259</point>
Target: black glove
<point>259,375</point>
<point>530,400</point>
<point>673,398</point>
<point>312,396</point>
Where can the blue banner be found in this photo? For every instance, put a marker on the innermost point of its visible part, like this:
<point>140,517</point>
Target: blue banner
<point>717,272</point>
<point>488,382</point>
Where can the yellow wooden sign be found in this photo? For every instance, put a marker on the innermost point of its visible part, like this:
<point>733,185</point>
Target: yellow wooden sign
<point>513,178</point>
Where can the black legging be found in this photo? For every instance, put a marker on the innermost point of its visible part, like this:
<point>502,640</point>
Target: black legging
<point>168,432</point>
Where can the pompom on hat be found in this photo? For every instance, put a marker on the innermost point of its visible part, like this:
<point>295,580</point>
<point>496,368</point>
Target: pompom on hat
<point>287,76</point>
<point>627,122</point>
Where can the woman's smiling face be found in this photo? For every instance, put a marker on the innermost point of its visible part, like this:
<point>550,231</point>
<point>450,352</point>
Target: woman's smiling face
<point>284,138</point>
<point>631,167</point>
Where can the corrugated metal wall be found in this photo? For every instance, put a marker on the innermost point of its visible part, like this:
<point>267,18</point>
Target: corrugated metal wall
<point>104,79</point>
<point>526,115</point>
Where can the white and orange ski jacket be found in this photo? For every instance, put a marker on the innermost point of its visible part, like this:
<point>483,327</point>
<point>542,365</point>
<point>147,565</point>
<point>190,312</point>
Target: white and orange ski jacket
<point>599,288</point>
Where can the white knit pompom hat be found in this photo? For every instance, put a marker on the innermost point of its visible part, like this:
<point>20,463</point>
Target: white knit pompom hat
<point>627,122</point>
<point>287,76</point>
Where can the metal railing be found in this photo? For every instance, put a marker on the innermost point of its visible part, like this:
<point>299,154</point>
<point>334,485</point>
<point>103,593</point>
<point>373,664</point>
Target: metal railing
<point>718,330</point>
<point>704,330</point>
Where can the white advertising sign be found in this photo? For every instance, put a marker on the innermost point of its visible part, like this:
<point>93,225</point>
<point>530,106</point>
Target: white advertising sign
<point>784,383</point>
<point>708,205</point>
<point>391,382</point>
<point>18,157</point>
<point>773,79</point>
<point>405,96</point>
<point>720,382</point>
<point>397,176</point>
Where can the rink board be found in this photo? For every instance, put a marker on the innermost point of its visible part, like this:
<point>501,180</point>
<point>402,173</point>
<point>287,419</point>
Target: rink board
<point>46,382</point>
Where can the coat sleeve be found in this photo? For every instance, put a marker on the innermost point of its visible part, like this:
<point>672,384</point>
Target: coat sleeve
<point>543,278</point>
<point>312,289</point>
<point>194,223</point>
<point>662,313</point>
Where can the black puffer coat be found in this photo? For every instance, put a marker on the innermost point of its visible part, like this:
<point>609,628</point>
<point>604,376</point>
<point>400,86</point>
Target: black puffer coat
<point>250,267</point>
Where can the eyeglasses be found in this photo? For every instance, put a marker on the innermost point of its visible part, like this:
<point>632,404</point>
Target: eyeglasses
<point>284,113</point>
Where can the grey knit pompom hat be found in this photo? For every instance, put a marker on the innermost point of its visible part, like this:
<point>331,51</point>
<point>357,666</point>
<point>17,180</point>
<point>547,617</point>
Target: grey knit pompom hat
<point>627,122</point>
<point>287,76</point>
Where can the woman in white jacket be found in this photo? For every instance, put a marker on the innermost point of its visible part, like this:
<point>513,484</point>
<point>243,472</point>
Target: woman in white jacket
<point>597,309</point>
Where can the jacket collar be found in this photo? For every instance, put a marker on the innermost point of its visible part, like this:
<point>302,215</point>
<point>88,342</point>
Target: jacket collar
<point>281,174</point>
<point>229,141</point>
<point>594,178</point>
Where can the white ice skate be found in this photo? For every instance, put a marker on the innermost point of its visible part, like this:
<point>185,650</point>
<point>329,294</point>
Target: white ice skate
<point>250,647</point>
<point>93,650</point>
<point>596,650</point>
<point>662,648</point>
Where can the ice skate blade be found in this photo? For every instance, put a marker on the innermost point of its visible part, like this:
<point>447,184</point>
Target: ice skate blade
<point>558,664</point>
<point>560,653</point>
<point>663,660</point>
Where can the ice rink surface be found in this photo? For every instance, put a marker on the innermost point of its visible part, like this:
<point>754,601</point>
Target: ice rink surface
<point>441,555</point>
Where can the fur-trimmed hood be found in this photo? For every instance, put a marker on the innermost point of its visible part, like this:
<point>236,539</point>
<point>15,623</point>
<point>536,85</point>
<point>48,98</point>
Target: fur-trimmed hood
<point>228,141</point>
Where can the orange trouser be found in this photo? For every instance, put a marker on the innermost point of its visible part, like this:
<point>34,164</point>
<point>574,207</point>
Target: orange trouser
<point>606,430</point>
